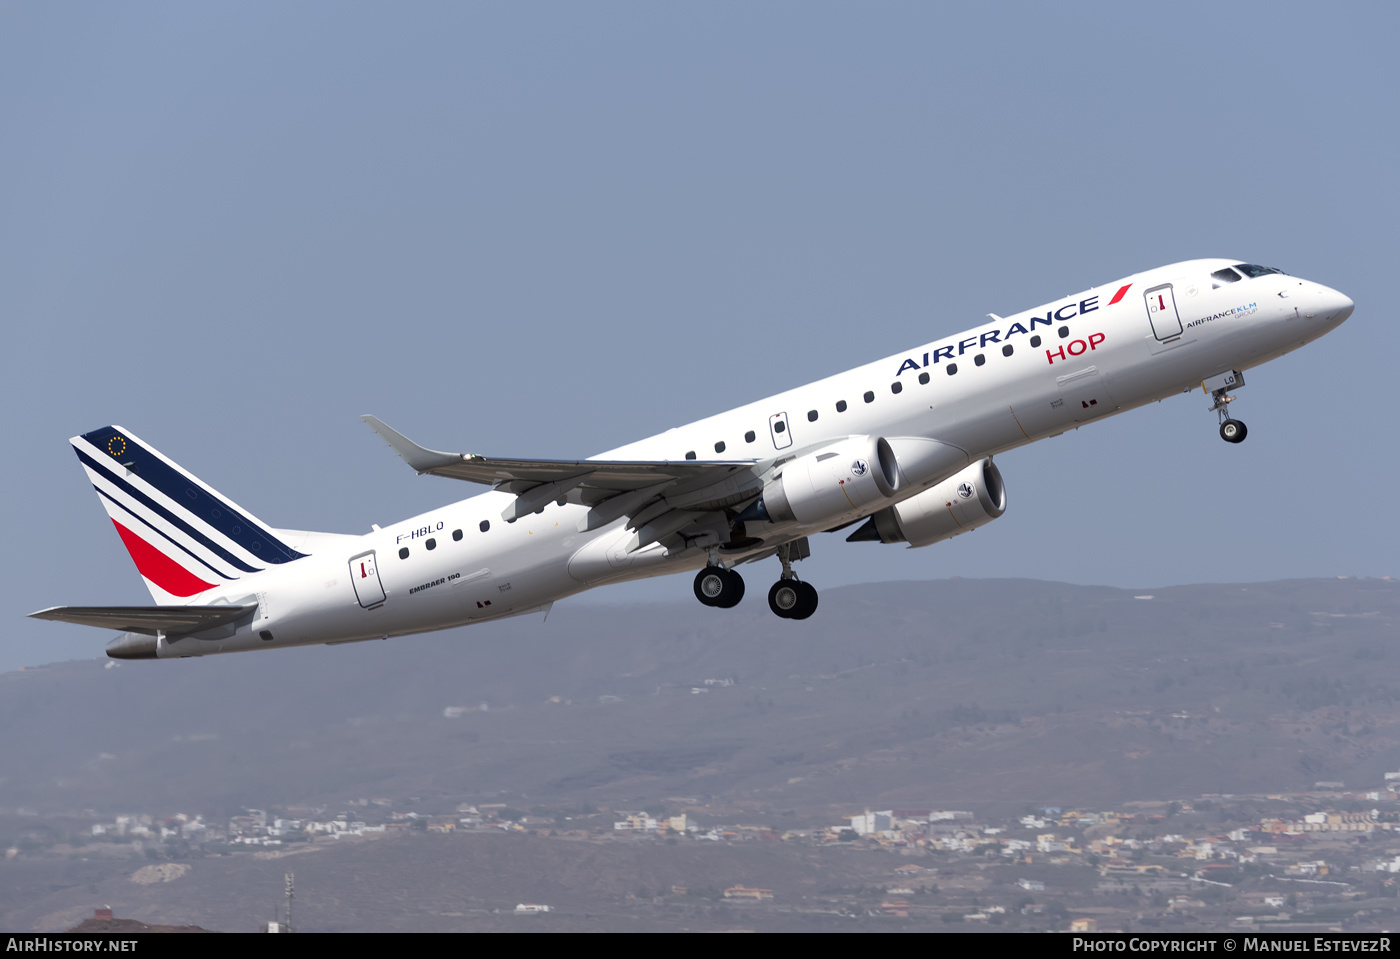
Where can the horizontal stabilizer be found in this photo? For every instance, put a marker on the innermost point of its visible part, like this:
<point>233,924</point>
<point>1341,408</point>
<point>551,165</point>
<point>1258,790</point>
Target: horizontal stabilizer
<point>174,620</point>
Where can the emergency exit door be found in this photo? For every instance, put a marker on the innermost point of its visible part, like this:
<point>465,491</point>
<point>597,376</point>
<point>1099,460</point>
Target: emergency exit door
<point>778,429</point>
<point>365,575</point>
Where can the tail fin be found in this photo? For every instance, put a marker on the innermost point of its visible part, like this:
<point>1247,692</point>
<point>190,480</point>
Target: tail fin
<point>184,536</point>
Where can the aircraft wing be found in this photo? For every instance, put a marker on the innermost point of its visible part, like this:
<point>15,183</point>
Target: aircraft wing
<point>147,619</point>
<point>518,475</point>
<point>662,499</point>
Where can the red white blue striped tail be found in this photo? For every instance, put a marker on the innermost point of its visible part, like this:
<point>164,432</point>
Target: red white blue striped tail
<point>185,537</point>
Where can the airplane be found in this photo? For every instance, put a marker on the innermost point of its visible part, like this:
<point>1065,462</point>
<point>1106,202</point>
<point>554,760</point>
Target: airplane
<point>904,444</point>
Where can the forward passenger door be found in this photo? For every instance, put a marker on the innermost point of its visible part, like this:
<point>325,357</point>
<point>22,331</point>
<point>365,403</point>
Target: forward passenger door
<point>1161,312</point>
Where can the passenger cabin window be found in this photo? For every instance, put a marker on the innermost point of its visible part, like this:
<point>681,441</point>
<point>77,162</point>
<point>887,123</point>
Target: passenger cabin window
<point>1220,277</point>
<point>485,525</point>
<point>952,368</point>
<point>719,447</point>
<point>690,455</point>
<point>923,378</point>
<point>840,406</point>
<point>431,544</point>
<point>403,552</point>
<point>869,397</point>
<point>980,358</point>
<point>456,536</point>
<point>1007,350</point>
<point>1064,332</point>
<point>1035,341</point>
<point>811,416</point>
<point>750,436</point>
<point>896,386</point>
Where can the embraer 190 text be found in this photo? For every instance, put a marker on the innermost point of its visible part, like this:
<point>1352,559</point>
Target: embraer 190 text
<point>904,444</point>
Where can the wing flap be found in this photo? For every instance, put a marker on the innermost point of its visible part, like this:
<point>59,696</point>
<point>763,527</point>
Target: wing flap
<point>174,620</point>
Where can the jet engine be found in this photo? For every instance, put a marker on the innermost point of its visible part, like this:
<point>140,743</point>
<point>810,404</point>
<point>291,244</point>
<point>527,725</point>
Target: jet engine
<point>828,485</point>
<point>972,498</point>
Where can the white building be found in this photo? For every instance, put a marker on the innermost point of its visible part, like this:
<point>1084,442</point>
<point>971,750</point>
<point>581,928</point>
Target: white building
<point>868,823</point>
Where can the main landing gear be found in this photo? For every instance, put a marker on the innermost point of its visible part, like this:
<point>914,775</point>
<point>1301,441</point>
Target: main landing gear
<point>792,599</point>
<point>789,598</point>
<point>717,586</point>
<point>1231,430</point>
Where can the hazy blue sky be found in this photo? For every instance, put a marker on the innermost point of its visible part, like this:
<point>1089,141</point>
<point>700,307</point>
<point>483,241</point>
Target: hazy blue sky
<point>549,229</point>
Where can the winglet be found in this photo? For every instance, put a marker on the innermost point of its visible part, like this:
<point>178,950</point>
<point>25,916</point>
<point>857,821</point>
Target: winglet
<point>420,458</point>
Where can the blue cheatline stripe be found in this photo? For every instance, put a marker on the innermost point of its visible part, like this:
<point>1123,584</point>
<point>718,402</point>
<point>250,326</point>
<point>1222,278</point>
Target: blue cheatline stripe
<point>164,513</point>
<point>114,502</point>
<point>237,526</point>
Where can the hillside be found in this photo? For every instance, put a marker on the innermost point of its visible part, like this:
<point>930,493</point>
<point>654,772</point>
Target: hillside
<point>946,692</point>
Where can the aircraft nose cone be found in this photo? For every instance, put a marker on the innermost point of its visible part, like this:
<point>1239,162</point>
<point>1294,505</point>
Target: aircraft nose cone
<point>1328,308</point>
<point>1339,305</point>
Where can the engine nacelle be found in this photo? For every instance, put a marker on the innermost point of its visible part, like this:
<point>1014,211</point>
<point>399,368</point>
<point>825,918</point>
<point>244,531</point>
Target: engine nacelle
<point>133,646</point>
<point>922,460</point>
<point>830,484</point>
<point>972,498</point>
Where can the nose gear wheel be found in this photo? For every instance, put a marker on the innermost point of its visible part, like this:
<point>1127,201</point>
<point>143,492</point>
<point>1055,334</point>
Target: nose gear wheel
<point>1233,431</point>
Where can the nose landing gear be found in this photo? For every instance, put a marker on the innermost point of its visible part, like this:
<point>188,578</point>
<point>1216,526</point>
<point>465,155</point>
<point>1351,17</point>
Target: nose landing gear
<point>1231,430</point>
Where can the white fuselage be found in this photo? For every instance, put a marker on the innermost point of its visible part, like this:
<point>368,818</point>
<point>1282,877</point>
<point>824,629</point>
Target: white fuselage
<point>1017,379</point>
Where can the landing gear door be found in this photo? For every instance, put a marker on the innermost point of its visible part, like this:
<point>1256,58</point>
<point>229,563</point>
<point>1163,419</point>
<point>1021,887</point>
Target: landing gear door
<point>364,573</point>
<point>778,427</point>
<point>1161,312</point>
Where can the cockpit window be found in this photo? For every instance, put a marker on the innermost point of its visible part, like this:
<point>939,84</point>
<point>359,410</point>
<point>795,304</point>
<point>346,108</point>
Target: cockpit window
<point>1220,277</point>
<point>1252,270</point>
